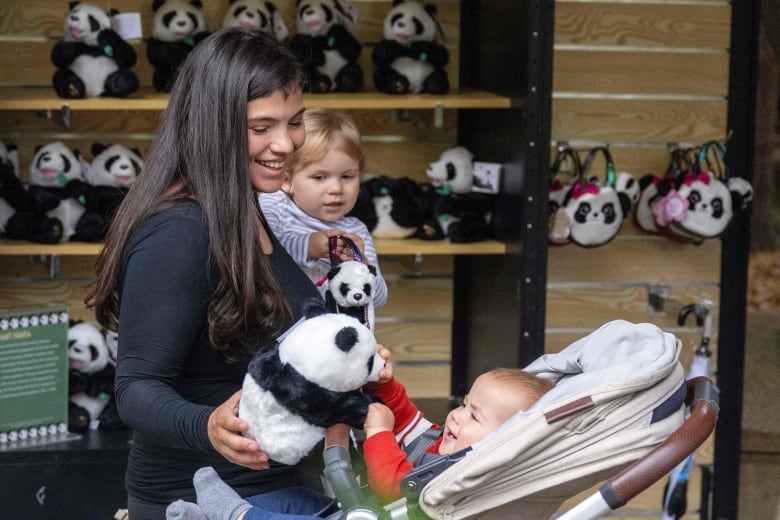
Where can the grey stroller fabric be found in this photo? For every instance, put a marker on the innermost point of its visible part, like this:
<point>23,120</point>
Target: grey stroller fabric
<point>617,395</point>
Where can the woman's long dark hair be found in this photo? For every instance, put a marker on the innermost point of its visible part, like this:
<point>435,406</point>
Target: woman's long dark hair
<point>200,152</point>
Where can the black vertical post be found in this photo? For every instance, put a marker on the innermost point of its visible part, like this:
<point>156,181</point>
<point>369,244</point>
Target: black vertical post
<point>743,72</point>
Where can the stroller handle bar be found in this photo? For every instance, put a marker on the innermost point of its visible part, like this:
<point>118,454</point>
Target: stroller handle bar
<point>637,477</point>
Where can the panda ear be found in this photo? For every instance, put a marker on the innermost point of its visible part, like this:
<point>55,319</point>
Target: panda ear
<point>156,4</point>
<point>72,5</point>
<point>372,269</point>
<point>97,148</point>
<point>333,272</point>
<point>347,338</point>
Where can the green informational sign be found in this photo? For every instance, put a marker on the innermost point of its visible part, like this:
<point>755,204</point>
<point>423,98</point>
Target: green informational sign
<point>33,373</point>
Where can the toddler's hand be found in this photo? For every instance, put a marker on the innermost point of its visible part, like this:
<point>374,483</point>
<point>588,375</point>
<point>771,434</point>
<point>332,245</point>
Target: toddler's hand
<point>379,419</point>
<point>319,243</point>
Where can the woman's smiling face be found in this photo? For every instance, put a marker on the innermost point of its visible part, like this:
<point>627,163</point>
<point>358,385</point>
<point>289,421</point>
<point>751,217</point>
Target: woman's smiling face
<point>274,130</point>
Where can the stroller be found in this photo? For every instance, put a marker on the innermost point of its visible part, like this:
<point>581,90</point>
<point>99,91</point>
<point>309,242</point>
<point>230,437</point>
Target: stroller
<point>618,407</point>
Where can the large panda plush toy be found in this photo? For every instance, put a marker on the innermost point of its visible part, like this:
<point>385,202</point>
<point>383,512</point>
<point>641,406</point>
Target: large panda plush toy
<point>107,179</point>
<point>326,47</point>
<point>409,59</point>
<point>16,217</point>
<point>257,15</point>
<point>308,381</point>
<point>177,26</point>
<point>92,59</point>
<point>390,207</point>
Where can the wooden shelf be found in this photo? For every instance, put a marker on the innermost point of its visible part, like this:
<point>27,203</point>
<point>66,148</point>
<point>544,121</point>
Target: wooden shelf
<point>407,246</point>
<point>44,98</point>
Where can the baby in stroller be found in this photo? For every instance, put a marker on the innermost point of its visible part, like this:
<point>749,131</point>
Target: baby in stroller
<point>398,438</point>
<point>618,393</point>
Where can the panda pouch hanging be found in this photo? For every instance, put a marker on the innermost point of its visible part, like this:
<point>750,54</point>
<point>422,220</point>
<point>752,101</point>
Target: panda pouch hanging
<point>558,232</point>
<point>595,209</point>
<point>348,288</point>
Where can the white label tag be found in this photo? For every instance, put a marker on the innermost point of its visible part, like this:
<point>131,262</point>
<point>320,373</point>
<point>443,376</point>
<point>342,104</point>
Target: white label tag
<point>127,25</point>
<point>487,177</point>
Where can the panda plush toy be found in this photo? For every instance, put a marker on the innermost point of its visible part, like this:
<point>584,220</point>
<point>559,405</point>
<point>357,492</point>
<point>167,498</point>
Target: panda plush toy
<point>350,290</point>
<point>18,219</point>
<point>177,26</point>
<point>107,179</point>
<point>257,15</point>
<point>455,212</point>
<point>48,215</point>
<point>409,59</point>
<point>326,47</point>
<point>309,380</point>
<point>92,59</point>
<point>390,207</point>
<point>90,380</point>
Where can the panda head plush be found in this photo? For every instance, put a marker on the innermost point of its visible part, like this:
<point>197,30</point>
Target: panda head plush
<point>453,172</point>
<point>177,26</point>
<point>409,59</point>
<point>114,165</point>
<point>54,165</point>
<point>350,290</point>
<point>258,15</point>
<point>92,59</point>
<point>87,349</point>
<point>309,380</point>
<point>326,46</point>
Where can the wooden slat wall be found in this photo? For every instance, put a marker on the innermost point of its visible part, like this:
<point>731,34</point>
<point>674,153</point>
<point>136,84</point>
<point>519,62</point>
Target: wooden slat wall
<point>398,143</point>
<point>637,75</point>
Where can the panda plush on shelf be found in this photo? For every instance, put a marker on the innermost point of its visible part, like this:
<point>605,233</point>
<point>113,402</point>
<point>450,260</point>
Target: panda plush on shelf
<point>326,47</point>
<point>409,59</point>
<point>18,220</point>
<point>177,26</point>
<point>309,380</point>
<point>47,214</point>
<point>107,179</point>
<point>92,59</point>
<point>390,207</point>
<point>455,212</point>
<point>90,380</point>
<point>258,15</point>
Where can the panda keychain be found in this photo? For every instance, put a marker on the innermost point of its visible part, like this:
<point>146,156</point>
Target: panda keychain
<point>348,288</point>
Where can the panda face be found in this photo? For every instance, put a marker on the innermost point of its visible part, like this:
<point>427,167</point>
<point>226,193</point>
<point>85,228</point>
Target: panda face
<point>335,351</point>
<point>84,23</point>
<point>177,20</point>
<point>709,205</point>
<point>316,17</point>
<point>409,22</point>
<point>116,165</point>
<point>595,217</point>
<point>256,15</point>
<point>53,165</point>
<point>87,350</point>
<point>454,169</point>
<point>352,283</point>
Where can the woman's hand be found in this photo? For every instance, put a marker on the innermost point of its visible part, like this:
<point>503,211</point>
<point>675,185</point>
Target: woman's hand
<point>225,429</point>
<point>379,419</point>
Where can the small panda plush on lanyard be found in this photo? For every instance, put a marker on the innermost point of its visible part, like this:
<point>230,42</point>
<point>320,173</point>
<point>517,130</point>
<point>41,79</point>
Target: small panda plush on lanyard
<point>348,288</point>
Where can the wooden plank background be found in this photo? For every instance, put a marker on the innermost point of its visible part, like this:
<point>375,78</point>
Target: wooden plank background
<point>636,76</point>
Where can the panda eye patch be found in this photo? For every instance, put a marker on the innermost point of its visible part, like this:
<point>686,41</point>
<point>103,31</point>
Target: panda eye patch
<point>367,289</point>
<point>193,19</point>
<point>394,19</point>
<point>344,289</point>
<point>451,171</point>
<point>328,13</point>
<point>239,10</point>
<point>94,25</point>
<point>418,26</point>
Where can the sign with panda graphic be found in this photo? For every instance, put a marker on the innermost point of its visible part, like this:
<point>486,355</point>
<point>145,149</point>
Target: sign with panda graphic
<point>33,376</point>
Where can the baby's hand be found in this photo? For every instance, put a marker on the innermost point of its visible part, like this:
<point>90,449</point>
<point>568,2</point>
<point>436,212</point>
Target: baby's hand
<point>379,419</point>
<point>386,374</point>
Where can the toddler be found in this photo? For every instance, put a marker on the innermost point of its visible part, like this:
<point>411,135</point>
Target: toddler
<point>321,186</point>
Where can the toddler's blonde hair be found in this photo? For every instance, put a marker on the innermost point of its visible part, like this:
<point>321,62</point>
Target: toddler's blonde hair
<point>326,130</point>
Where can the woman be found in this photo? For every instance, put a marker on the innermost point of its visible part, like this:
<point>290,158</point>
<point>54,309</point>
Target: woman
<point>192,278</point>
